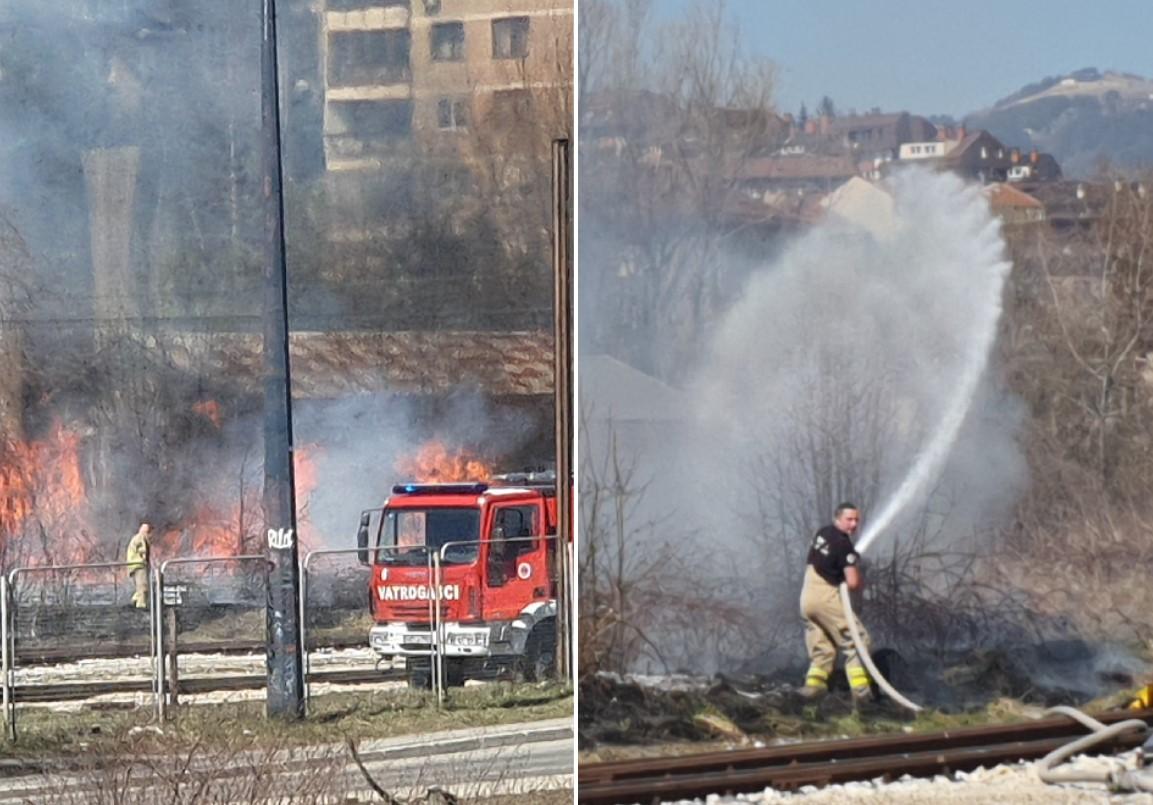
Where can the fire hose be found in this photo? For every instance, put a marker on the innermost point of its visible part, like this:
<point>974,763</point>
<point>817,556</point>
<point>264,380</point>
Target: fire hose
<point>863,653</point>
<point>1117,777</point>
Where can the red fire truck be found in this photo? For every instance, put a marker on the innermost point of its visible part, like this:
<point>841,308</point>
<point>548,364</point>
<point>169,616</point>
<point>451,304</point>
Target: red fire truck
<point>498,594</point>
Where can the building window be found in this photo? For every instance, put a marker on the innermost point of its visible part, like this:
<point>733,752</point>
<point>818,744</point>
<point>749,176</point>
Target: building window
<point>356,58</point>
<point>510,38</point>
<point>376,119</point>
<point>451,114</point>
<point>511,106</point>
<point>984,152</point>
<point>447,40</point>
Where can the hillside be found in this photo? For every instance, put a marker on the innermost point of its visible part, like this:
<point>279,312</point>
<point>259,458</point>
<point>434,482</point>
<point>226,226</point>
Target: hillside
<point>1081,118</point>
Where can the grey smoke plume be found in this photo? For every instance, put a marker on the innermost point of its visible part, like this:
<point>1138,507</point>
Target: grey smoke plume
<point>844,360</point>
<point>360,439</point>
<point>824,381</point>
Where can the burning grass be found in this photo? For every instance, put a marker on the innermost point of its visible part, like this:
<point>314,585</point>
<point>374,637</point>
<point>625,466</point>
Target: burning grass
<point>42,493</point>
<point>621,718</point>
<point>436,462</point>
<point>836,722</point>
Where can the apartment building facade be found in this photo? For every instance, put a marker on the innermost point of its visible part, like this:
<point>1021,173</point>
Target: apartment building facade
<point>403,77</point>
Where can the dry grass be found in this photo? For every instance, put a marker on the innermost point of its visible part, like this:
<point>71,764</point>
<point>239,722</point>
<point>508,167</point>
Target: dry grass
<point>334,718</point>
<point>558,796</point>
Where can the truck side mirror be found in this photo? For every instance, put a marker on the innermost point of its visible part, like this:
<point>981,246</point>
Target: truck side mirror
<point>362,538</point>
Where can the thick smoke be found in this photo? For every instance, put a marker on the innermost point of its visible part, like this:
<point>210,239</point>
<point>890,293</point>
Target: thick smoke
<point>846,360</point>
<point>177,82</point>
<point>827,378</point>
<point>359,441</point>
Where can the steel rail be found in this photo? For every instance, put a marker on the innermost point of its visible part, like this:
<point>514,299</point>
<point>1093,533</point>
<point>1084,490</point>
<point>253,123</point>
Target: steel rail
<point>63,656</point>
<point>825,762</point>
<point>75,691</point>
<point>887,767</point>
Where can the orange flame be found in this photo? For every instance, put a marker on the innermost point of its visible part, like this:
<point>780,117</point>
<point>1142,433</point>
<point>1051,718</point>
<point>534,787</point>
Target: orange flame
<point>305,475</point>
<point>434,462</point>
<point>210,409</point>
<point>43,494</point>
<point>215,530</point>
<point>45,516</point>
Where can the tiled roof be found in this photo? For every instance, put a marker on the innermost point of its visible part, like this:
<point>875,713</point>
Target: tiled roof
<point>784,208</point>
<point>329,365</point>
<point>1003,195</point>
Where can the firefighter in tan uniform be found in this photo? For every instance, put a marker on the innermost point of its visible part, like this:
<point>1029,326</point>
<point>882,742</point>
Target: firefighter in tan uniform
<point>137,558</point>
<point>832,560</point>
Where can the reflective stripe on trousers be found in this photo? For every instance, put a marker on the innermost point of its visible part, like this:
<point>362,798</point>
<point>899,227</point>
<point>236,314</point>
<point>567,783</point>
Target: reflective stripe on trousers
<point>827,630</point>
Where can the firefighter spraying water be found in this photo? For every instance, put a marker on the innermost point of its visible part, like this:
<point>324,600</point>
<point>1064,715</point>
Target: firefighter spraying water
<point>832,561</point>
<point>833,572</point>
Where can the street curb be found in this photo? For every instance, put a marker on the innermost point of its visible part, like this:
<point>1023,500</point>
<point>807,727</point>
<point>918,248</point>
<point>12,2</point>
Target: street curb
<point>372,750</point>
<point>447,747</point>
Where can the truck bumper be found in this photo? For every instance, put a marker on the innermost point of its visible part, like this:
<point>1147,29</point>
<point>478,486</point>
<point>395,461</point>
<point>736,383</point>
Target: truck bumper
<point>467,640</point>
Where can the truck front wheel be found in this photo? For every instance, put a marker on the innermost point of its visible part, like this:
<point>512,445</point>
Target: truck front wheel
<point>453,672</point>
<point>539,661</point>
<point>418,673</point>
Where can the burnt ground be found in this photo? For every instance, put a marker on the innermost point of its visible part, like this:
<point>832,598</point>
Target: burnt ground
<point>977,687</point>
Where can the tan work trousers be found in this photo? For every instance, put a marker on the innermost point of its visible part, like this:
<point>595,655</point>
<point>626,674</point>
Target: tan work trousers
<point>827,629</point>
<point>140,597</point>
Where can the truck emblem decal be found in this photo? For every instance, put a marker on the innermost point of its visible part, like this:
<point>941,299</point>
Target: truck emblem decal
<point>416,592</point>
<point>280,538</point>
<point>523,570</point>
<point>384,574</point>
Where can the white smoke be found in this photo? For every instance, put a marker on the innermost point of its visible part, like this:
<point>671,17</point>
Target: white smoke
<point>853,363</point>
<point>359,439</point>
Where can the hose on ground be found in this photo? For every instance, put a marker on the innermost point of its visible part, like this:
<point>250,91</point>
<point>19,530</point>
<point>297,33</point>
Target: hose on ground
<point>863,652</point>
<point>1117,777</point>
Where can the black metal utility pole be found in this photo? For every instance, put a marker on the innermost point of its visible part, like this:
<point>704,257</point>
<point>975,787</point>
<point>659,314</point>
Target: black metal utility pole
<point>563,392</point>
<point>285,678</point>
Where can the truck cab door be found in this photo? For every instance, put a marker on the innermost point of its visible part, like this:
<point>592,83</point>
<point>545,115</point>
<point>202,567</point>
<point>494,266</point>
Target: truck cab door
<point>515,568</point>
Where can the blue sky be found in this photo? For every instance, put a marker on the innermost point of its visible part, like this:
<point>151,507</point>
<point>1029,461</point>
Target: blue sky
<point>933,57</point>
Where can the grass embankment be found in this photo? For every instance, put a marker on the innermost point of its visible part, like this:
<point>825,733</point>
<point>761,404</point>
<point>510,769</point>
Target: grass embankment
<point>813,724</point>
<point>341,628</point>
<point>333,718</point>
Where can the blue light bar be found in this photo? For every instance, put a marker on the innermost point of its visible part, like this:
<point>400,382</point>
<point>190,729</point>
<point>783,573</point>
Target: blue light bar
<point>440,489</point>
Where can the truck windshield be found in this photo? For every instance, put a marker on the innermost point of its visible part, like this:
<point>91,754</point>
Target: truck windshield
<point>410,533</point>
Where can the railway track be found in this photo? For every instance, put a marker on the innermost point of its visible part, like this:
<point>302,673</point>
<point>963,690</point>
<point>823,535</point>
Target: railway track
<point>75,691</point>
<point>51,655</point>
<point>821,763</point>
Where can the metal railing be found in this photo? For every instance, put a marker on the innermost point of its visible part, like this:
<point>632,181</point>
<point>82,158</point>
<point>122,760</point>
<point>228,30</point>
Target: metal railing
<point>305,591</point>
<point>435,646</point>
<point>163,648</point>
<point>167,694</point>
<point>9,613</point>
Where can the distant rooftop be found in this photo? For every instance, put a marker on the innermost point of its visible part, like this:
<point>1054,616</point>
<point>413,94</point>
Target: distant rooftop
<point>332,365</point>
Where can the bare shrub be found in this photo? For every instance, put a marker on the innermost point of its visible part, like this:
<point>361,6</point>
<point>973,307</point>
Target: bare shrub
<point>647,598</point>
<point>1076,348</point>
<point>671,112</point>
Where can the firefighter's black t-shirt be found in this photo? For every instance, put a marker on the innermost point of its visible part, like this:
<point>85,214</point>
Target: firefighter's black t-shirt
<point>831,552</point>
